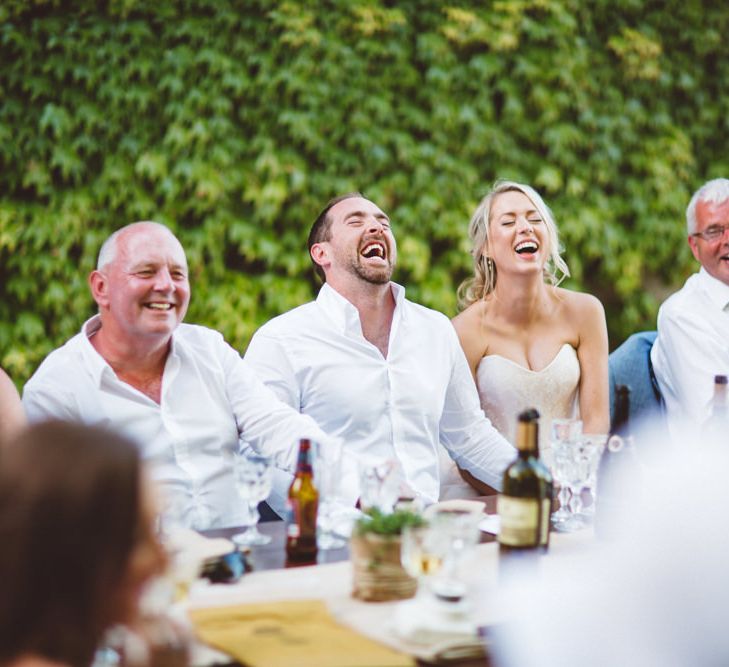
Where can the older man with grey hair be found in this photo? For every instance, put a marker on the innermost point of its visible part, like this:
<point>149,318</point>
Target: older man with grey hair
<point>693,324</point>
<point>178,389</point>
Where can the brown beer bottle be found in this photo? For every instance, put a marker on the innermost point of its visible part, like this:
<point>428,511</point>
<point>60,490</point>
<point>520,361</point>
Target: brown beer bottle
<point>302,507</point>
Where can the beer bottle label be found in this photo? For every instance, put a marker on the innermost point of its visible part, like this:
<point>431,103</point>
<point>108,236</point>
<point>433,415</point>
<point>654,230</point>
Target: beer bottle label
<point>292,525</point>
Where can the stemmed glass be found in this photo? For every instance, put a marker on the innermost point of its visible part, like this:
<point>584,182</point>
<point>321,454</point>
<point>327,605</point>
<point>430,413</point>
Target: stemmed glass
<point>422,553</point>
<point>571,468</point>
<point>461,534</point>
<point>593,445</point>
<point>253,479</point>
<point>380,483</point>
<point>563,431</point>
<point>328,477</point>
<point>432,553</point>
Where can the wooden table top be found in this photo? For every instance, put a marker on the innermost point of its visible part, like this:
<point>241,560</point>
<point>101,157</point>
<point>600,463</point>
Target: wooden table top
<point>272,556</point>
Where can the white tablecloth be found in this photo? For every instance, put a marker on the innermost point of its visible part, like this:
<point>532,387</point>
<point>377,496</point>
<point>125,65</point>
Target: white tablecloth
<point>333,584</point>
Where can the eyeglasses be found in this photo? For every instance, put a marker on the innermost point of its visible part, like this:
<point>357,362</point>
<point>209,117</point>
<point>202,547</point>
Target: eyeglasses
<point>713,233</point>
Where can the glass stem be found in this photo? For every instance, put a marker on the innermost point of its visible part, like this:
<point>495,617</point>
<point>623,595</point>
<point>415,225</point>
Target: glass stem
<point>564,497</point>
<point>253,515</point>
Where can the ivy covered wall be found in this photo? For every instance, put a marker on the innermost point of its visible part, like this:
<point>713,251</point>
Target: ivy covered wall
<point>234,121</point>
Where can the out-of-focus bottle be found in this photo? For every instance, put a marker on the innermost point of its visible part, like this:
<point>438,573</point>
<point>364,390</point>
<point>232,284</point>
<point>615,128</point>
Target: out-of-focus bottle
<point>715,430</point>
<point>525,501</point>
<point>302,507</point>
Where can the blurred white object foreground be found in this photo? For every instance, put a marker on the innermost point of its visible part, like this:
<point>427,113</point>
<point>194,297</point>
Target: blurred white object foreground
<point>658,594</point>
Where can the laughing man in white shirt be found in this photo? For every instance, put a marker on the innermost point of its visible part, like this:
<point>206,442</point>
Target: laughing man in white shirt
<point>693,324</point>
<point>384,374</point>
<point>179,390</point>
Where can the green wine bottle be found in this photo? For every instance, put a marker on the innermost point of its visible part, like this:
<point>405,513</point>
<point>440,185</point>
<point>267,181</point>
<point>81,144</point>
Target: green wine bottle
<point>525,502</point>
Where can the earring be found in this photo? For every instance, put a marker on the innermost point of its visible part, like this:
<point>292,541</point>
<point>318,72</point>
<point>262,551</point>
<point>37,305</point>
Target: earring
<point>489,263</point>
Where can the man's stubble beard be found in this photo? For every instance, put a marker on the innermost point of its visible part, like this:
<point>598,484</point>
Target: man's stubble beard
<point>379,276</point>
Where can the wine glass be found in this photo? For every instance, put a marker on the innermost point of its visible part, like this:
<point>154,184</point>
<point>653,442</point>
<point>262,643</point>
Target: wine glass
<point>253,479</point>
<point>380,483</point>
<point>431,554</point>
<point>563,431</point>
<point>459,532</point>
<point>328,477</point>
<point>422,553</point>
<point>571,468</point>
<point>593,446</point>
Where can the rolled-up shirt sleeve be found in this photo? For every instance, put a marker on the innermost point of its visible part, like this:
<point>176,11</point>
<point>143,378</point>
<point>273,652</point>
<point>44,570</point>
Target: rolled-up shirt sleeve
<point>268,424</point>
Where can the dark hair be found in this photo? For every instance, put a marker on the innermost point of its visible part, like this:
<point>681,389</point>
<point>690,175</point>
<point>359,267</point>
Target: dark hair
<point>321,230</point>
<point>69,519</point>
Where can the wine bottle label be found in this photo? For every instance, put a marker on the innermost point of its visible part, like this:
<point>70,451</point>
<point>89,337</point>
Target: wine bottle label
<point>519,521</point>
<point>544,527</point>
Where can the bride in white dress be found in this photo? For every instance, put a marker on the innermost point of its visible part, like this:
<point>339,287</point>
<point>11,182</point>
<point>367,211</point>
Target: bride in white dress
<point>528,342</point>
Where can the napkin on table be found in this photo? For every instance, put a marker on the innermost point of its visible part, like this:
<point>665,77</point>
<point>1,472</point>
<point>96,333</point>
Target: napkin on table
<point>300,633</point>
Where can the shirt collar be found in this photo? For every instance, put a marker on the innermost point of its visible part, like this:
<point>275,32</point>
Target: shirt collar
<point>345,316</point>
<point>717,291</point>
<point>97,365</point>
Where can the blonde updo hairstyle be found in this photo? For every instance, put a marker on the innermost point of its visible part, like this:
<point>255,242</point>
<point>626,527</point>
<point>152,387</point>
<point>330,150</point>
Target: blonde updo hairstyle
<point>483,282</point>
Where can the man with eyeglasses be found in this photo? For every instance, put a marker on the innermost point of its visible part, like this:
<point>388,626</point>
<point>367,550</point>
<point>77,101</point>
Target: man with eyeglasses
<point>693,324</point>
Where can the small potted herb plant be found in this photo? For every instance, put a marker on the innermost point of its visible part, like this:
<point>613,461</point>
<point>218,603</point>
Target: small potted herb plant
<point>378,574</point>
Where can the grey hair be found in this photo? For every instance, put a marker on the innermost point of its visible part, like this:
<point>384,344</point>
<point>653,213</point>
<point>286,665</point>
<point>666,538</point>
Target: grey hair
<point>109,248</point>
<point>715,191</point>
<point>483,282</point>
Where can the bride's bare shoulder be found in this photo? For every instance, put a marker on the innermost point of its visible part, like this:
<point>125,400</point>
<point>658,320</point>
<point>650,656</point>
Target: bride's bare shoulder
<point>581,306</point>
<point>470,327</point>
<point>471,317</point>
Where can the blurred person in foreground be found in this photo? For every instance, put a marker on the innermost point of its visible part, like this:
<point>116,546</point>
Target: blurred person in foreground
<point>656,594</point>
<point>12,417</point>
<point>693,324</point>
<point>78,542</point>
<point>384,374</point>
<point>528,341</point>
<point>179,390</point>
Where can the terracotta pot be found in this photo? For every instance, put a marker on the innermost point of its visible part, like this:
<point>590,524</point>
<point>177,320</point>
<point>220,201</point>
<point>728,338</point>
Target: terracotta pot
<point>377,572</point>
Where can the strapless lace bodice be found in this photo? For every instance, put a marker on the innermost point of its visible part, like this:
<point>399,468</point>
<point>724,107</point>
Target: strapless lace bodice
<point>506,388</point>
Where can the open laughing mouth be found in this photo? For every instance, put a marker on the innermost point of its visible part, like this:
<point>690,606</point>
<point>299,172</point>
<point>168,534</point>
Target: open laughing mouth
<point>374,249</point>
<point>526,247</point>
<point>156,305</point>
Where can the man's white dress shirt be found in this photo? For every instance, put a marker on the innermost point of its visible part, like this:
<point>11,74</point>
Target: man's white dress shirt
<point>210,398</point>
<point>692,347</point>
<point>316,359</point>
